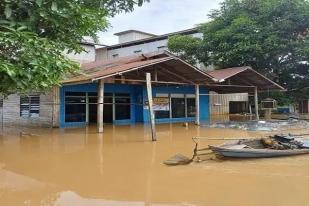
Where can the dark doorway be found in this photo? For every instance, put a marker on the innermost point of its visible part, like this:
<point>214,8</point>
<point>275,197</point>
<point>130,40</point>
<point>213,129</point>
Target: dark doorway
<point>238,107</point>
<point>108,107</point>
<point>75,107</point>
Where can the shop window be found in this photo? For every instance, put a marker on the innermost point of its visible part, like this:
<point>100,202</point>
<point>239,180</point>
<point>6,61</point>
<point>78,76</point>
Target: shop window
<point>122,106</point>
<point>75,107</point>
<point>178,107</point>
<point>162,114</point>
<point>190,107</point>
<point>161,106</point>
<point>30,106</point>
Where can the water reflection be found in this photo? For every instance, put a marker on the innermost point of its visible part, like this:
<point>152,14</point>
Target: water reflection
<point>70,198</point>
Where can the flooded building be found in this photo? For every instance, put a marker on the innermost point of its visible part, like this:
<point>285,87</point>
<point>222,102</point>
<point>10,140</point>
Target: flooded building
<point>114,91</point>
<point>118,73</point>
<point>122,82</point>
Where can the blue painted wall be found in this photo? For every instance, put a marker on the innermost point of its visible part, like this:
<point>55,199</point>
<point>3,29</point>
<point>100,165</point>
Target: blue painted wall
<point>135,92</point>
<point>204,102</point>
<point>138,96</point>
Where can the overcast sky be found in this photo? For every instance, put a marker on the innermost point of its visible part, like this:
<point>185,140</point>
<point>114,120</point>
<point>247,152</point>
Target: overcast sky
<point>160,17</point>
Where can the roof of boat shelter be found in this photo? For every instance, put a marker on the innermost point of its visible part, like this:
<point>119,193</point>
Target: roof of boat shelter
<point>168,68</point>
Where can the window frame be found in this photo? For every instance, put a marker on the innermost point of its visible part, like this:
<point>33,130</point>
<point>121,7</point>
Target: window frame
<point>28,113</point>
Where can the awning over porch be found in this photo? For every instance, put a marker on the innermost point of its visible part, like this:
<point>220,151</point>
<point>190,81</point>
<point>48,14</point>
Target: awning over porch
<point>163,66</point>
<point>166,68</point>
<point>241,79</point>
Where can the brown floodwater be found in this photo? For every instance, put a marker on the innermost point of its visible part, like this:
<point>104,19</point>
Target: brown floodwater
<point>123,167</point>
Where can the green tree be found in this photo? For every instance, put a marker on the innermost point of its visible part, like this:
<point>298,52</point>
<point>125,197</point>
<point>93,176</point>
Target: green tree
<point>35,33</point>
<point>272,36</point>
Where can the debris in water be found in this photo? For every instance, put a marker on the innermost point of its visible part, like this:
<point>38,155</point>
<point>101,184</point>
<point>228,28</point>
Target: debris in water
<point>261,125</point>
<point>178,159</point>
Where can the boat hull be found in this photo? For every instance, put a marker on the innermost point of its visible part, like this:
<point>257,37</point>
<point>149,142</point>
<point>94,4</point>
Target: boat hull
<point>255,153</point>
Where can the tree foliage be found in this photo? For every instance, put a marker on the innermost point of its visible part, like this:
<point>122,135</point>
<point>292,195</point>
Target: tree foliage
<point>185,47</point>
<point>272,36</point>
<point>34,34</point>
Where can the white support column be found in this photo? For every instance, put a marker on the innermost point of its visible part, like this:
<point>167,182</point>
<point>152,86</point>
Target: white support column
<point>256,105</point>
<point>100,106</point>
<point>197,104</point>
<point>151,113</point>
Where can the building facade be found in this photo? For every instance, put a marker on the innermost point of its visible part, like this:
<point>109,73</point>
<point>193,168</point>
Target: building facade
<point>133,42</point>
<point>127,104</point>
<point>123,68</point>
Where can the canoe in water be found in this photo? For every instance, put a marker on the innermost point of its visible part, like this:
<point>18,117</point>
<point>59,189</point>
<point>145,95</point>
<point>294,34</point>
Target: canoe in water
<point>252,148</point>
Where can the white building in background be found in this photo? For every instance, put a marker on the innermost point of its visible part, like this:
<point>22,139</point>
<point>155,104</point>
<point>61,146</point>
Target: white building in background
<point>88,55</point>
<point>132,42</point>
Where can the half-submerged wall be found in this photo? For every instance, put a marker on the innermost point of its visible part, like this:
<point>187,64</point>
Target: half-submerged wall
<point>119,96</point>
<point>17,111</point>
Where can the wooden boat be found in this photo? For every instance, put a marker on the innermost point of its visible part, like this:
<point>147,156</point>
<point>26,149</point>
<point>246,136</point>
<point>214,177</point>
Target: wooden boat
<point>252,148</point>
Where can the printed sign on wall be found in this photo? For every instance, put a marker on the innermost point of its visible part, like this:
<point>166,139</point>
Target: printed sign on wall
<point>161,104</point>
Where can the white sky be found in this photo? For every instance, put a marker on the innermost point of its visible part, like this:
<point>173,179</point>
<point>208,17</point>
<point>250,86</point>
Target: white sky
<point>160,17</point>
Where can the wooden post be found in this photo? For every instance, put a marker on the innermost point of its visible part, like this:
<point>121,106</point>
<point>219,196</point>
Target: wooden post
<point>100,106</point>
<point>197,104</point>
<point>256,104</point>
<point>151,113</point>
<point>268,114</point>
<point>55,106</point>
<point>87,108</point>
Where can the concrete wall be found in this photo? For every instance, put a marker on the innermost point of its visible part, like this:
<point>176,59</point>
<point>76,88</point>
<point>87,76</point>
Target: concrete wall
<point>88,55</point>
<point>11,112</point>
<point>103,54</point>
<point>131,36</point>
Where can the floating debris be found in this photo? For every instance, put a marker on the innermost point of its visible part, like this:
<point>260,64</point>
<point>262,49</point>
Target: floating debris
<point>178,159</point>
<point>261,125</point>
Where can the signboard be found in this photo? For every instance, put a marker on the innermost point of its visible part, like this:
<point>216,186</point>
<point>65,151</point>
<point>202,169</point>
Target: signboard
<point>161,104</point>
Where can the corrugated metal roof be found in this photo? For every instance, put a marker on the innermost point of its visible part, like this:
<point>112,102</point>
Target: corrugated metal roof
<point>223,74</point>
<point>245,76</point>
<point>171,67</point>
<point>103,69</point>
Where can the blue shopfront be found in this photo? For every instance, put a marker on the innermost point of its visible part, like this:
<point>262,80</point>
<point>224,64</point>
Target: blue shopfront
<point>127,104</point>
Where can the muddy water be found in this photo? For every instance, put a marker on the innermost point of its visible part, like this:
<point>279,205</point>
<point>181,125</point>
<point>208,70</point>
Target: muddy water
<point>122,167</point>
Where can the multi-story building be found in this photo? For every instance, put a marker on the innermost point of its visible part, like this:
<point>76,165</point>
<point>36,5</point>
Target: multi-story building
<point>137,42</point>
